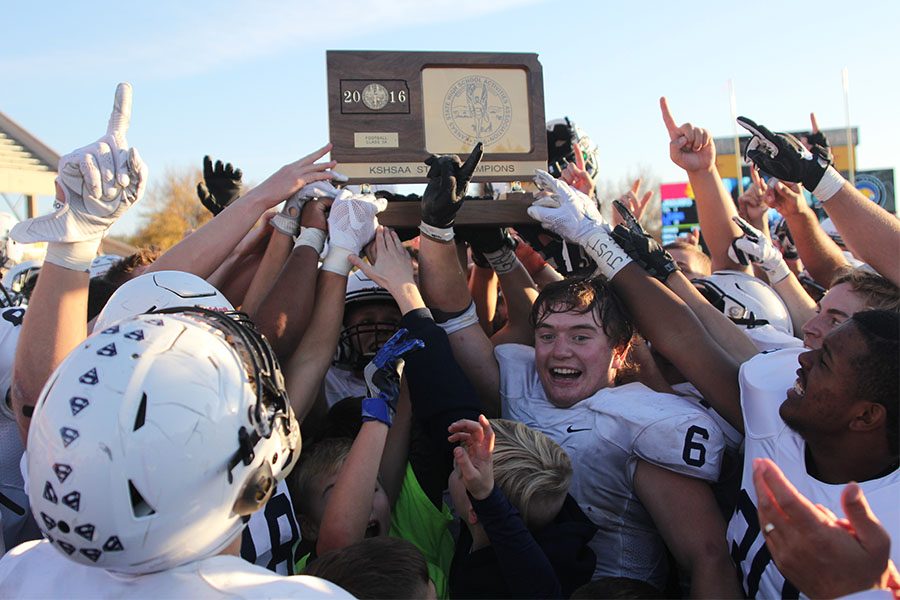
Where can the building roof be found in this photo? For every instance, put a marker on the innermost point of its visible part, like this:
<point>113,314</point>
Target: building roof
<point>27,165</point>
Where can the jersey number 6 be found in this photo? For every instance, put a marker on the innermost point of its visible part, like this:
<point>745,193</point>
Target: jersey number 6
<point>694,452</point>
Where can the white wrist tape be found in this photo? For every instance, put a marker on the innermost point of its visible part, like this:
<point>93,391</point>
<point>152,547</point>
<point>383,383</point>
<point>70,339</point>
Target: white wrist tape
<point>285,224</point>
<point>337,261</point>
<point>600,246</point>
<point>829,185</point>
<point>75,256</point>
<point>502,261</point>
<point>469,317</point>
<point>312,237</point>
<point>437,233</point>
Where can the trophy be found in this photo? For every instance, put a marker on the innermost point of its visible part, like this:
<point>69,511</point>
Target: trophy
<point>388,111</point>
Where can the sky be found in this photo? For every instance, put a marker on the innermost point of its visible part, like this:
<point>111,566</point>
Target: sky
<point>245,81</point>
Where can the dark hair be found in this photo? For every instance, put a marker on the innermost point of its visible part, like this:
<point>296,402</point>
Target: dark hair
<point>123,271</point>
<point>100,290</point>
<point>879,369</point>
<point>379,567</point>
<point>583,295</point>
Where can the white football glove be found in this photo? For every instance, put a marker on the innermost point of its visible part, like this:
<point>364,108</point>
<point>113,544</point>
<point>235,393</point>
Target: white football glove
<point>99,182</point>
<point>351,225</point>
<point>288,220</point>
<point>575,216</point>
<point>757,248</point>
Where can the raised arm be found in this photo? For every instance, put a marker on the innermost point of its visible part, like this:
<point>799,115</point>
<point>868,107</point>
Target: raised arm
<point>692,149</point>
<point>96,185</point>
<point>871,233</point>
<point>205,249</point>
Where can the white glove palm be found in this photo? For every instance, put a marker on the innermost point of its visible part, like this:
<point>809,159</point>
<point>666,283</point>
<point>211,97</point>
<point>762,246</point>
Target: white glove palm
<point>288,220</point>
<point>99,183</point>
<point>758,249</point>
<point>564,210</point>
<point>351,225</point>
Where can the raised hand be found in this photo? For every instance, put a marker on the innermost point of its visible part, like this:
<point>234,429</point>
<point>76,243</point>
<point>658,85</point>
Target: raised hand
<point>752,203</point>
<point>383,377</point>
<point>787,198</point>
<point>448,178</point>
<point>691,148</point>
<point>393,266</point>
<point>824,557</point>
<point>640,246</point>
<point>474,457</point>
<point>293,176</point>
<point>817,138</point>
<point>784,157</point>
<point>756,247</point>
<point>630,200</point>
<point>564,210</point>
<point>96,184</point>
<point>221,185</point>
<point>351,225</point>
<point>288,221</point>
<point>576,175</point>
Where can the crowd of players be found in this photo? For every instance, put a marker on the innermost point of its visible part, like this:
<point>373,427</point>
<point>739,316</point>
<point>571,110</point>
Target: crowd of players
<point>567,409</point>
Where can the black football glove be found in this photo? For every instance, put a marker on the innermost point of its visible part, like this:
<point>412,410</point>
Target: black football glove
<point>782,156</point>
<point>448,178</point>
<point>641,247</point>
<point>221,185</point>
<point>484,240</point>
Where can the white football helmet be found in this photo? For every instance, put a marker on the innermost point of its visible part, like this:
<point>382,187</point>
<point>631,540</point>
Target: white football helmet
<point>17,278</point>
<point>159,290</point>
<point>155,438</point>
<point>745,300</point>
<point>102,264</point>
<point>361,289</point>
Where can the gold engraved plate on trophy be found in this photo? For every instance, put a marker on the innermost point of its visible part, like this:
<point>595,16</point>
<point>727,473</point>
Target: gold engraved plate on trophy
<point>465,106</point>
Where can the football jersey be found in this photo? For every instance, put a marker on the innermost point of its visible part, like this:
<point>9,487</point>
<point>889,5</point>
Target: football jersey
<point>38,570</point>
<point>271,534</point>
<point>340,384</point>
<point>15,513</point>
<point>764,381</point>
<point>605,435</point>
<point>767,338</point>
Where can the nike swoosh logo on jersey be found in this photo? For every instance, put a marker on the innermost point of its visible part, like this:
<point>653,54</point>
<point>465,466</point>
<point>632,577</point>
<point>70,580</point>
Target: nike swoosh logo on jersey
<point>570,430</point>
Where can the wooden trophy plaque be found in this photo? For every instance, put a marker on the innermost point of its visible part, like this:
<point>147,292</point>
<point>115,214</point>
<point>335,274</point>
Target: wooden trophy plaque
<point>388,111</point>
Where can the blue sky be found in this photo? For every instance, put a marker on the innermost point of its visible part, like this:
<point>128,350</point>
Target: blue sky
<point>245,81</point>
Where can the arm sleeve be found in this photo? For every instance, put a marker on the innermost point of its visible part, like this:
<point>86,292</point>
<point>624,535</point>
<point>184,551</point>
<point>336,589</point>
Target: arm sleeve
<point>526,570</point>
<point>440,394</point>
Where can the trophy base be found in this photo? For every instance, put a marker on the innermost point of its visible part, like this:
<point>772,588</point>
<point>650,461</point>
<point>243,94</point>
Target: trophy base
<point>508,210</point>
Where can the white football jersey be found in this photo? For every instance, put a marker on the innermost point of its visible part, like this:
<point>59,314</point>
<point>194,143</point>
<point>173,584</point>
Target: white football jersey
<point>767,338</point>
<point>15,513</point>
<point>341,383</point>
<point>733,437</point>
<point>605,435</point>
<point>38,570</point>
<point>765,380</point>
<point>271,534</point>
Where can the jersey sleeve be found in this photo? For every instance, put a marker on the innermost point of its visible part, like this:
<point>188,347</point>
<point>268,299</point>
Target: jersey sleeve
<point>686,441</point>
<point>764,382</point>
<point>518,376</point>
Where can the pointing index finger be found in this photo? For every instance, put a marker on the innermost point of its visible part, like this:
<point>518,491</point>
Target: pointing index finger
<point>813,122</point>
<point>579,157</point>
<point>669,121</point>
<point>120,118</point>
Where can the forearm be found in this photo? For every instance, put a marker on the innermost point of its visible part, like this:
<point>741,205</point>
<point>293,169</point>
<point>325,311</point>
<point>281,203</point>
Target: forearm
<point>277,252</point>
<point>312,357</point>
<point>441,277</point>
<point>871,233</point>
<point>526,570</point>
<point>350,502</point>
<point>54,324</point>
<point>726,334</point>
<point>671,326</point>
<point>396,451</point>
<point>520,294</point>
<point>483,288</point>
<point>284,313</point>
<point>800,306</point>
<point>204,250</point>
<point>821,257</point>
<point>715,210</point>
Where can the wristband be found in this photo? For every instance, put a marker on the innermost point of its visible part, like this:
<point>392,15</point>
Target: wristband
<point>460,321</point>
<point>75,256</point>
<point>778,272</point>
<point>610,258</point>
<point>337,261</point>
<point>830,184</point>
<point>377,409</point>
<point>312,237</point>
<point>438,234</point>
<point>285,224</point>
<point>502,260</point>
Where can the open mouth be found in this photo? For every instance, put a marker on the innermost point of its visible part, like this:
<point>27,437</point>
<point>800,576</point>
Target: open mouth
<point>564,374</point>
<point>373,529</point>
<point>799,387</point>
